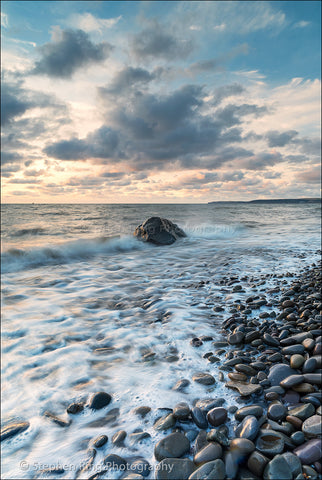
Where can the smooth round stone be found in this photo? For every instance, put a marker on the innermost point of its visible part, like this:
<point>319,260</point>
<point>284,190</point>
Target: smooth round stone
<point>243,412</point>
<point>174,468</point>
<point>207,404</point>
<point>296,422</point>
<point>278,372</point>
<point>238,377</point>
<point>181,411</point>
<point>214,470</point>
<point>291,381</point>
<point>312,426</point>
<point>257,463</point>
<point>293,349</point>
<point>291,397</point>
<point>303,411</point>
<point>304,388</point>
<point>293,462</point>
<point>136,437</point>
<point>313,378</point>
<point>317,349</point>
<point>298,438</point>
<point>142,411</point>
<point>277,469</point>
<point>239,450</point>
<point>119,437</point>
<point>219,435</point>
<point>270,442</point>
<point>100,441</point>
<point>199,417</point>
<point>246,369</point>
<point>309,365</point>
<point>308,344</point>
<point>242,446</point>
<point>217,416</point>
<point>165,422</point>
<point>271,396</point>
<point>310,399</point>
<point>173,446</point>
<point>74,408</point>
<point>203,378</point>
<point>99,400</point>
<point>269,340</point>
<point>141,467</point>
<point>296,361</point>
<point>201,441</point>
<point>236,338</point>
<point>114,459</point>
<point>310,451</point>
<point>208,453</point>
<point>276,411</point>
<point>248,428</point>
<point>275,357</point>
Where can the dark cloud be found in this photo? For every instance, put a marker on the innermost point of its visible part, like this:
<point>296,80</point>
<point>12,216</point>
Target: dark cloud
<point>10,157</point>
<point>72,50</point>
<point>127,78</point>
<point>155,41</point>
<point>261,161</point>
<point>151,131</point>
<point>14,102</point>
<point>278,139</point>
<point>312,176</point>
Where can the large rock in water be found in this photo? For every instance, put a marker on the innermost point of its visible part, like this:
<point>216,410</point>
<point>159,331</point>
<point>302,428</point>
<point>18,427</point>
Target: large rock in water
<point>159,231</point>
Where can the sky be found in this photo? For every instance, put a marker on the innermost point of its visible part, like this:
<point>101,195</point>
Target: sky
<point>159,101</point>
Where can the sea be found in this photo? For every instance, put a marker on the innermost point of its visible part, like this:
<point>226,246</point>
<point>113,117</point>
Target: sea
<point>87,307</point>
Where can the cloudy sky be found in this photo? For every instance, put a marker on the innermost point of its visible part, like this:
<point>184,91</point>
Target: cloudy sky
<point>122,102</point>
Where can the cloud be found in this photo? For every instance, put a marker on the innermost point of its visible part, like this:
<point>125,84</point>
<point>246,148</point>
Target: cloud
<point>302,24</point>
<point>4,20</point>
<point>125,79</point>
<point>88,23</point>
<point>69,51</point>
<point>312,175</point>
<point>155,41</point>
<point>10,157</point>
<point>277,139</point>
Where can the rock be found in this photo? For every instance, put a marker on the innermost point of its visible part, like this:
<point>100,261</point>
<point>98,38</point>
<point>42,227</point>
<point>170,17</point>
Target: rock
<point>136,437</point>
<point>312,426</point>
<point>208,453</point>
<point>303,412</point>
<point>296,361</point>
<point>207,404</point>
<point>165,422</point>
<point>219,435</point>
<point>255,410</point>
<point>257,463</point>
<point>309,473</point>
<point>201,440</point>
<point>57,420</point>
<point>309,365</point>
<point>278,372</point>
<point>237,377</point>
<point>278,469</point>
<point>199,417</point>
<point>304,388</point>
<point>214,470</point>
<point>298,338</point>
<point>141,467</point>
<point>74,408</point>
<point>309,452</point>
<point>114,460</point>
<point>119,437</point>
<point>203,378</point>
<point>173,446</point>
<point>159,231</point>
<point>313,378</point>
<point>196,342</point>
<point>246,369</point>
<point>292,349</point>
<point>244,389</point>
<point>13,429</point>
<point>142,411</point>
<point>276,411</point>
<point>292,381</point>
<point>293,462</point>
<point>99,400</point>
<point>308,344</point>
<point>270,442</point>
<point>236,338</point>
<point>217,416</point>
<point>181,411</point>
<point>248,428</point>
<point>239,450</point>
<point>174,469</point>
<point>269,340</point>
<point>100,441</point>
<point>298,438</point>
<point>181,384</point>
<point>295,421</point>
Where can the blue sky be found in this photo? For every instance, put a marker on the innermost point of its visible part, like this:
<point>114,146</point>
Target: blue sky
<point>160,101</point>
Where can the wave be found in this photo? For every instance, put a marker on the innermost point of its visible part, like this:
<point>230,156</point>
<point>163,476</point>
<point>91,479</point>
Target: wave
<point>14,259</point>
<point>29,231</point>
<point>211,231</point>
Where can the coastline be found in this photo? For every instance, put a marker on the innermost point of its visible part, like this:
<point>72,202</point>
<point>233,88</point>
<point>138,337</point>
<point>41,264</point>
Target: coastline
<point>277,411</point>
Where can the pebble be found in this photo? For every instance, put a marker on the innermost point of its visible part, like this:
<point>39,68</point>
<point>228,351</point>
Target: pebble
<point>174,469</point>
<point>312,426</point>
<point>257,463</point>
<point>214,470</point>
<point>310,451</point>
<point>236,338</point>
<point>203,378</point>
<point>119,437</point>
<point>270,442</point>
<point>181,411</point>
<point>99,400</point>
<point>298,438</point>
<point>217,416</point>
<point>276,411</point>
<point>13,429</point>
<point>292,349</point>
<point>309,365</point>
<point>74,408</point>
<point>278,372</point>
<point>100,441</point>
<point>248,428</point>
<point>210,452</point>
<point>142,411</point>
<point>296,361</point>
<point>57,420</point>
<point>181,384</point>
<point>173,446</point>
<point>136,437</point>
<point>245,389</point>
<point>292,381</point>
<point>303,411</point>
<point>165,422</point>
<point>199,417</point>
<point>243,412</point>
<point>277,469</point>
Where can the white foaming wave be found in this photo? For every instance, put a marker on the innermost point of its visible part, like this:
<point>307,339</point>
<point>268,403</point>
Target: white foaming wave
<point>15,260</point>
<point>211,231</point>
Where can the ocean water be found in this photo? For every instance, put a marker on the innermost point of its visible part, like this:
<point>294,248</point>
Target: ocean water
<point>83,301</point>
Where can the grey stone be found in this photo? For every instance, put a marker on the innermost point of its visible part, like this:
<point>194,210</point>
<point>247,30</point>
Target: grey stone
<point>203,378</point>
<point>293,462</point>
<point>174,469</point>
<point>99,400</point>
<point>248,428</point>
<point>276,411</point>
<point>303,411</point>
<point>292,349</point>
<point>278,469</point>
<point>165,422</point>
<point>214,470</point>
<point>208,453</point>
<point>292,381</point>
<point>312,426</point>
<point>173,446</point>
<point>278,372</point>
<point>181,411</point>
<point>142,411</point>
<point>217,416</point>
<point>243,388</point>
<point>257,463</point>
<point>100,441</point>
<point>270,442</point>
<point>199,417</point>
<point>136,437</point>
<point>243,412</point>
<point>309,452</point>
<point>119,437</point>
<point>181,384</point>
<point>159,231</point>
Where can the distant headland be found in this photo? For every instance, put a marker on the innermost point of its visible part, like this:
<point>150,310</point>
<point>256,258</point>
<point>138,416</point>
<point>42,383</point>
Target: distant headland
<point>277,200</point>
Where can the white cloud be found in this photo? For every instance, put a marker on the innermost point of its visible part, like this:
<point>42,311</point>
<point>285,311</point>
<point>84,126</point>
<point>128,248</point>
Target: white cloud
<point>4,20</point>
<point>302,24</point>
<point>220,27</point>
<point>89,23</point>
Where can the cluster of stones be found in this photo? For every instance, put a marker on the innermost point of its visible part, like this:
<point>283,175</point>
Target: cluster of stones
<point>274,365</point>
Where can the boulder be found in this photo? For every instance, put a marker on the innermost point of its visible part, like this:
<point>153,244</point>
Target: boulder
<point>159,231</point>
